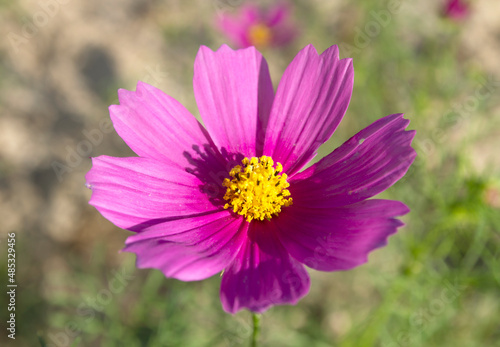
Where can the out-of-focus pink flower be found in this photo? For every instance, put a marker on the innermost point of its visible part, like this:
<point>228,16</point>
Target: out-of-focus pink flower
<point>259,27</point>
<point>456,9</point>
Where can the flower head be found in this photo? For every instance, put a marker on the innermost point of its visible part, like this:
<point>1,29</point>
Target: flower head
<point>259,27</point>
<point>231,195</point>
<point>456,9</point>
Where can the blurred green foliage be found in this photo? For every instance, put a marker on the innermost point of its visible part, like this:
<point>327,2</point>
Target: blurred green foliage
<point>435,284</point>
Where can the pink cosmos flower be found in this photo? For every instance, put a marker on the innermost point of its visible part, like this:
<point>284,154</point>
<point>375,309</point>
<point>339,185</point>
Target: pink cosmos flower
<point>255,26</point>
<point>456,9</point>
<point>231,196</point>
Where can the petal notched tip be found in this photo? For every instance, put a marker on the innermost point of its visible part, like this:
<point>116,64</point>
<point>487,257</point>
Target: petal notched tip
<point>225,49</point>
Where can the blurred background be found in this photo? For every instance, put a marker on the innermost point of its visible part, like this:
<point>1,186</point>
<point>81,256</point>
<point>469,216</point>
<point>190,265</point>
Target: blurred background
<point>437,283</point>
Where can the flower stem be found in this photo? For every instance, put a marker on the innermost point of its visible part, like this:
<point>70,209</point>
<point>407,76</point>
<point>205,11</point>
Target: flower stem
<point>256,329</point>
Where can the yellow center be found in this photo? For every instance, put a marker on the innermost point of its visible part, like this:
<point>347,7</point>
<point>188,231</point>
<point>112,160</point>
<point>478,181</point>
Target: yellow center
<point>257,190</point>
<point>260,35</point>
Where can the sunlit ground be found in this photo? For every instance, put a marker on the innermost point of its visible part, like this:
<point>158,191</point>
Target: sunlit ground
<point>437,283</point>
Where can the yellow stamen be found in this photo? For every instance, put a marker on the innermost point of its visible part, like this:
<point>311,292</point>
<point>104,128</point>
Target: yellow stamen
<point>260,35</point>
<point>257,190</point>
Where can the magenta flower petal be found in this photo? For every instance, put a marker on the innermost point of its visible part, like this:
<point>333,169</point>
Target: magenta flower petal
<point>136,192</point>
<point>193,248</point>
<point>283,31</point>
<point>234,93</point>
<point>339,238</point>
<point>263,274</point>
<point>365,165</point>
<point>277,14</point>
<point>148,115</point>
<point>310,102</point>
<point>456,9</point>
<point>235,29</point>
<point>284,35</point>
<point>249,13</point>
<point>181,230</point>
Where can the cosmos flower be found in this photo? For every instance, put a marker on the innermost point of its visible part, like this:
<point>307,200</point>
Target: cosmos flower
<point>259,27</point>
<point>456,9</point>
<point>231,196</point>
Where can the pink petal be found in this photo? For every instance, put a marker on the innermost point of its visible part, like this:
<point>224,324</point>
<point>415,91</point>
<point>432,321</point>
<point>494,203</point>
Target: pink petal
<point>277,14</point>
<point>155,125</point>
<point>250,13</point>
<point>310,102</point>
<point>182,229</point>
<point>235,29</point>
<point>365,165</point>
<point>338,238</point>
<point>234,94</point>
<point>194,248</point>
<point>456,9</point>
<point>135,193</point>
<point>284,34</point>
<point>284,30</point>
<point>262,274</point>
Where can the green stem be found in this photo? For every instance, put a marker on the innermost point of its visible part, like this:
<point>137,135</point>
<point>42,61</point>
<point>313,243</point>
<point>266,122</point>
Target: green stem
<point>256,329</point>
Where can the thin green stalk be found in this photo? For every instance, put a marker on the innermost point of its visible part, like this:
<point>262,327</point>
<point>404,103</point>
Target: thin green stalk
<point>256,329</point>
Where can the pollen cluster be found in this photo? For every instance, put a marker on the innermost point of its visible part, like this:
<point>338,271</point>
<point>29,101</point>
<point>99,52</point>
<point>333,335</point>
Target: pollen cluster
<point>257,190</point>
